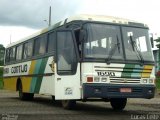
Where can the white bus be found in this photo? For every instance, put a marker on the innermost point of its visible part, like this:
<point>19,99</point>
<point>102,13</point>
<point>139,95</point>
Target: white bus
<point>83,58</point>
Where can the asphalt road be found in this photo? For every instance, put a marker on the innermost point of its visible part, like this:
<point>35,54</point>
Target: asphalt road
<point>43,108</point>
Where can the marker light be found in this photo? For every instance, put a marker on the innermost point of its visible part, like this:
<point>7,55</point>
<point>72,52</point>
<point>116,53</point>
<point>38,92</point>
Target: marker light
<point>89,79</point>
<point>104,79</point>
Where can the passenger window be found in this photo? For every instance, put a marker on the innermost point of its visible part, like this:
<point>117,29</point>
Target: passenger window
<point>28,48</point>
<point>19,52</point>
<point>40,45</point>
<point>12,54</point>
<point>51,42</point>
<point>7,56</point>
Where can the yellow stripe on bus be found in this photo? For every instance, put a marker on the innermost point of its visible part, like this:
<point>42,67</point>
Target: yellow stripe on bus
<point>146,75</point>
<point>26,81</point>
<point>148,67</point>
<point>10,83</point>
<point>32,67</point>
<point>147,71</point>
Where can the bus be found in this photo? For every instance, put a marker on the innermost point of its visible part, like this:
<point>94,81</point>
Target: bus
<point>83,58</point>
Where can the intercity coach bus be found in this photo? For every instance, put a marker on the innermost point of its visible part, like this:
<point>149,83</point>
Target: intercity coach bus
<point>83,58</point>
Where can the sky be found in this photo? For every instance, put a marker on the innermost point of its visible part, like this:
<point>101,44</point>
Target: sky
<point>21,18</point>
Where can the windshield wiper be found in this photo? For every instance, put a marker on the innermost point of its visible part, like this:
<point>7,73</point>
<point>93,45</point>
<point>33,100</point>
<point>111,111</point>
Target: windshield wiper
<point>135,48</point>
<point>113,50</point>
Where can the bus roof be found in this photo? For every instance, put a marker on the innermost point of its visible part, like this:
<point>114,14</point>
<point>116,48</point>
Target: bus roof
<point>84,17</point>
<point>100,18</point>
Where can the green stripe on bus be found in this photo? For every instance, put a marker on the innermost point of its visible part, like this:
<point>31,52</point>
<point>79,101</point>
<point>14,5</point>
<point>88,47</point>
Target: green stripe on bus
<point>41,71</point>
<point>34,79</point>
<point>137,71</point>
<point>127,71</point>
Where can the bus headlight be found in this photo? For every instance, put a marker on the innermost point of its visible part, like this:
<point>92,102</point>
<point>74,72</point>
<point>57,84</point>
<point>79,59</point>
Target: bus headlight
<point>144,80</point>
<point>151,81</point>
<point>104,79</point>
<point>96,79</point>
<point>147,81</point>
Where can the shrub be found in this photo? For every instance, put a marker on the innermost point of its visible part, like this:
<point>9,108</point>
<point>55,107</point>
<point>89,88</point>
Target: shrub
<point>1,74</point>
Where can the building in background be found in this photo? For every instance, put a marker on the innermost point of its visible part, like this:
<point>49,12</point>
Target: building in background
<point>155,41</point>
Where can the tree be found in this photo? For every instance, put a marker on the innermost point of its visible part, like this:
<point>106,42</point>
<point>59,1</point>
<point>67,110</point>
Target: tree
<point>158,41</point>
<point>158,46</point>
<point>2,50</point>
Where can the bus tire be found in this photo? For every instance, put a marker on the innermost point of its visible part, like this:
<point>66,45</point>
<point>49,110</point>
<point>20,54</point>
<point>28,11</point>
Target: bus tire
<point>22,95</point>
<point>53,98</point>
<point>118,103</point>
<point>68,104</point>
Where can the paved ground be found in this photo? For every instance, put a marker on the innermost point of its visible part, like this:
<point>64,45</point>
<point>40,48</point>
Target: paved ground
<point>43,108</point>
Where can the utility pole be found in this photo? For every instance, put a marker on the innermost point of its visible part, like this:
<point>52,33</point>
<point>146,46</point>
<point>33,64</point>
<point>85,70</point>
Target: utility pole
<point>50,16</point>
<point>10,38</point>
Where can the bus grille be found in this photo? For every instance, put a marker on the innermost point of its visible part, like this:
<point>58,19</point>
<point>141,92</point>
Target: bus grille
<point>124,81</point>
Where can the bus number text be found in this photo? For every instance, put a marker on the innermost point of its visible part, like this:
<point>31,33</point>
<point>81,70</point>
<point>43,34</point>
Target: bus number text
<point>105,73</point>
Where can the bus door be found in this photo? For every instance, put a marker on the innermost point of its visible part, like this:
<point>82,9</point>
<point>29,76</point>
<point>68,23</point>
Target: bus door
<point>67,73</point>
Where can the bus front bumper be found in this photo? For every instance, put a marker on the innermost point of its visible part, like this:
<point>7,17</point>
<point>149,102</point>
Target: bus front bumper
<point>95,90</point>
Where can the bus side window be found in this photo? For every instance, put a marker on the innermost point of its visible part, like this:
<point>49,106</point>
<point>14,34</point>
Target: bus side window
<point>19,52</point>
<point>40,45</point>
<point>28,48</point>
<point>7,56</point>
<point>12,54</point>
<point>51,42</point>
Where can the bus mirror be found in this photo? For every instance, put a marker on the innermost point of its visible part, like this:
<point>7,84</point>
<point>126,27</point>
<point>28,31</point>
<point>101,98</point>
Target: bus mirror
<point>152,41</point>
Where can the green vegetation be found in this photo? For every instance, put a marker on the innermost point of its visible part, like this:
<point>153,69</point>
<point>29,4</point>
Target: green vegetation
<point>158,83</point>
<point>2,49</point>
<point>158,73</point>
<point>1,82</point>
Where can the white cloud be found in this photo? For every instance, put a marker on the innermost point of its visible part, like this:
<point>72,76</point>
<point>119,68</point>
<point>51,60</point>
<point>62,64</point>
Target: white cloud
<point>13,33</point>
<point>139,10</point>
<point>32,13</point>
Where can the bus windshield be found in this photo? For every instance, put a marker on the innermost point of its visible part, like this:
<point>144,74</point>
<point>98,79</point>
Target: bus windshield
<point>105,41</point>
<point>137,40</point>
<point>101,41</point>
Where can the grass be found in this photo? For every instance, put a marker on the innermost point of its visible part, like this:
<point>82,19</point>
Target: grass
<point>158,83</point>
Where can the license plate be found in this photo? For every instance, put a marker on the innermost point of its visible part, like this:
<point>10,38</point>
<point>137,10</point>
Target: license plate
<point>125,90</point>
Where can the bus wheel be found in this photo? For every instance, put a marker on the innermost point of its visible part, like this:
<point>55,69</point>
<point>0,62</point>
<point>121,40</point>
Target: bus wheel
<point>24,96</point>
<point>118,103</point>
<point>53,98</point>
<point>68,104</point>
